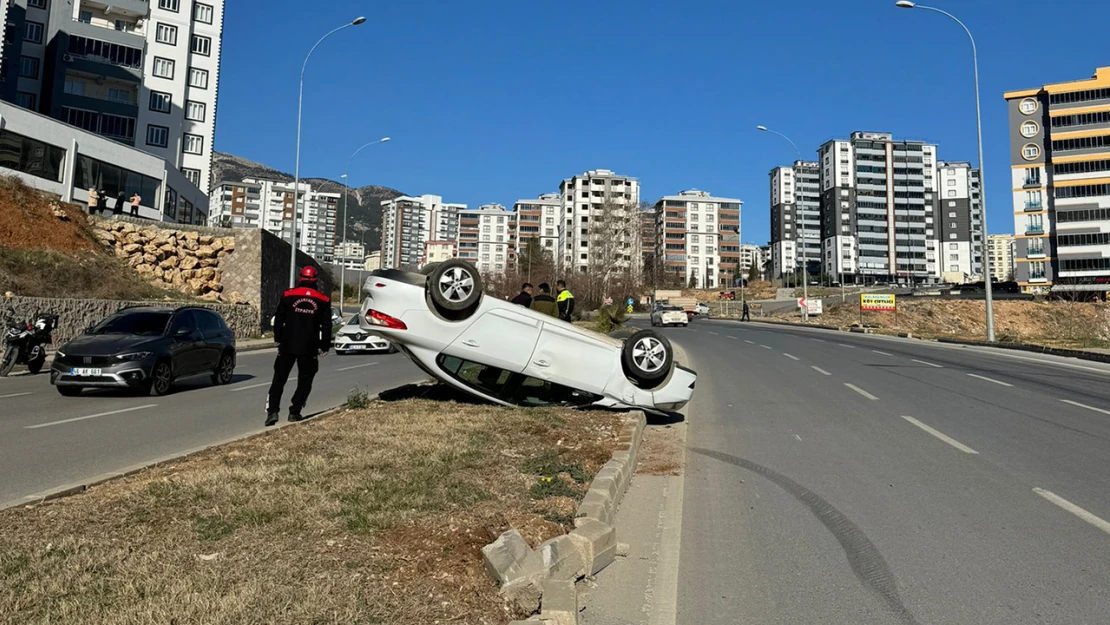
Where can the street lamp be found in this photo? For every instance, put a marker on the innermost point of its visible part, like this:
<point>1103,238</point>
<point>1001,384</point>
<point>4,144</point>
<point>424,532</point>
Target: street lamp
<point>297,166</point>
<point>346,199</point>
<point>805,264</point>
<point>987,276</point>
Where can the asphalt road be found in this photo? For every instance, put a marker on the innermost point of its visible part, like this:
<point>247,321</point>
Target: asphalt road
<point>48,441</point>
<point>835,478</point>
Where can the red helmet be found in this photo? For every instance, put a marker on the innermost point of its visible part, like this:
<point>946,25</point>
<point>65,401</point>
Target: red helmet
<point>308,274</point>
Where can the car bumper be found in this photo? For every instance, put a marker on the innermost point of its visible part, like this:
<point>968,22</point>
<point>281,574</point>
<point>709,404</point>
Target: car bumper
<point>122,375</point>
<point>673,321</point>
<point>373,343</point>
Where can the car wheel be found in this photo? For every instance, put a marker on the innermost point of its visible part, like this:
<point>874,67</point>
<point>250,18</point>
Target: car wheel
<point>36,365</point>
<point>225,370</point>
<point>161,378</point>
<point>69,391</point>
<point>647,358</point>
<point>455,286</point>
<point>392,349</point>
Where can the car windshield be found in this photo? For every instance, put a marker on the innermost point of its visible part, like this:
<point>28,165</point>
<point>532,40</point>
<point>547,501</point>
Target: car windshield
<point>353,321</point>
<point>670,308</point>
<point>144,323</point>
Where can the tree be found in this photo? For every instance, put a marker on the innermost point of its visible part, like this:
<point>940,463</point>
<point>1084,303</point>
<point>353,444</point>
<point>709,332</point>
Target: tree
<point>693,284</point>
<point>534,263</point>
<point>753,273</point>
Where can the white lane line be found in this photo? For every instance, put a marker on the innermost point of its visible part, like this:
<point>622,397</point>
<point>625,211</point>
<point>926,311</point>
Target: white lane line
<point>1075,403</point>
<point>861,391</point>
<point>883,353</point>
<point>846,345</point>
<point>820,370</point>
<point>929,363</point>
<point>14,395</point>
<point>732,337</point>
<point>749,342</point>
<point>247,388</point>
<point>818,340</point>
<point>92,416</point>
<point>766,346</point>
<point>982,377</point>
<point>714,333</point>
<point>790,356</point>
<point>944,437</point>
<point>1074,509</point>
<point>365,364</point>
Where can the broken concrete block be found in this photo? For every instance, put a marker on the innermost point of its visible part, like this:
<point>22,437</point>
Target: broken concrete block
<point>597,542</point>
<point>560,602</point>
<point>505,558</point>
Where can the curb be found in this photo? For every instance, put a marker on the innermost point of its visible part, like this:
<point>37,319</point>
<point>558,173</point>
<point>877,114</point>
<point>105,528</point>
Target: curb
<point>543,579</point>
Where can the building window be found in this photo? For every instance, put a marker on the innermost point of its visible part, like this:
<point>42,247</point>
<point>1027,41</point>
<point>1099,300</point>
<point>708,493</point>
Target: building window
<point>198,78</point>
<point>1030,151</point>
<point>120,95</point>
<point>32,157</point>
<point>160,102</point>
<point>170,5</point>
<point>158,136</point>
<point>194,111</point>
<point>953,257</point>
<point>202,45</point>
<point>166,33</point>
<point>1029,129</point>
<point>85,16</point>
<point>951,182</point>
<point>951,193</point>
<point>36,4</point>
<point>1028,106</point>
<point>33,32</point>
<point>163,68</point>
<point>26,100</point>
<point>192,175</point>
<point>202,13</point>
<point>193,144</point>
<point>952,235</point>
<point>28,67</point>
<point>952,214</point>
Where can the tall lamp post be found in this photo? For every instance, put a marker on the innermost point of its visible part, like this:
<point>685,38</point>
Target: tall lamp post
<point>346,199</point>
<point>805,262</point>
<point>987,276</point>
<point>297,166</point>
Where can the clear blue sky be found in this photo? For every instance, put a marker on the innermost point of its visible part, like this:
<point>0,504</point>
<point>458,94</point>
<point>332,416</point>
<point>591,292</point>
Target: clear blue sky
<point>498,100</point>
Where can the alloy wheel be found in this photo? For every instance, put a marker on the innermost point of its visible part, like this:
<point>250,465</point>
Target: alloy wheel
<point>161,378</point>
<point>227,368</point>
<point>649,355</point>
<point>456,284</point>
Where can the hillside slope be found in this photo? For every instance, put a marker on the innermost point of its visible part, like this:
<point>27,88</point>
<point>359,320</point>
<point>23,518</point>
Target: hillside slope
<point>364,212</point>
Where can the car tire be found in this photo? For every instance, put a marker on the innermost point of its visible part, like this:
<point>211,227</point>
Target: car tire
<point>225,369</point>
<point>161,379</point>
<point>455,287</point>
<point>647,358</point>
<point>392,349</point>
<point>36,365</point>
<point>69,391</point>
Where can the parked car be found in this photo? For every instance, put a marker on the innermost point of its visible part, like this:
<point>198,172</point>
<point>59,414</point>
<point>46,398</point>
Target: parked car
<point>146,348</point>
<point>701,309</point>
<point>352,338</point>
<point>669,316</point>
<point>514,356</point>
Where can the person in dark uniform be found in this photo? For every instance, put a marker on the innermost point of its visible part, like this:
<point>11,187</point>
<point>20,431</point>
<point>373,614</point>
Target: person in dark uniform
<point>524,298</point>
<point>302,330</point>
<point>745,316</point>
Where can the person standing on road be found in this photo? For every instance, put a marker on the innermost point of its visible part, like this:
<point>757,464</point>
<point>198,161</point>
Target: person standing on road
<point>524,298</point>
<point>302,330</point>
<point>93,199</point>
<point>135,199</point>
<point>565,299</point>
<point>745,316</point>
<point>544,303</point>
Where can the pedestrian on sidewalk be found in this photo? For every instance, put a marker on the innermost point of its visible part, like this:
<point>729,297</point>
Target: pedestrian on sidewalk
<point>135,199</point>
<point>746,316</point>
<point>121,199</point>
<point>302,330</point>
<point>524,298</point>
<point>102,201</point>
<point>93,200</point>
<point>565,299</point>
<point>544,303</point>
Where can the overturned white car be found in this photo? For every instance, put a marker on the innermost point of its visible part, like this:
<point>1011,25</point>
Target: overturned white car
<point>511,355</point>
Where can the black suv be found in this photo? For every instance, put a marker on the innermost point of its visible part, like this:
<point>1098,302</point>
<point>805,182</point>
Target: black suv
<point>146,348</point>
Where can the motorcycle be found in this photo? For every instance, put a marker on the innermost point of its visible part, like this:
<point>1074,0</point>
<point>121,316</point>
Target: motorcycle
<point>25,343</point>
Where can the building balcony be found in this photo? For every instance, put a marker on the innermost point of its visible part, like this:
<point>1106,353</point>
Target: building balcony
<point>1037,277</point>
<point>1035,253</point>
<point>1030,230</point>
<point>1031,181</point>
<point>1034,206</point>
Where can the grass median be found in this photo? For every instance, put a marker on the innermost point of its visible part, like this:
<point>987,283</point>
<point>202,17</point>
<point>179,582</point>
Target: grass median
<point>374,515</point>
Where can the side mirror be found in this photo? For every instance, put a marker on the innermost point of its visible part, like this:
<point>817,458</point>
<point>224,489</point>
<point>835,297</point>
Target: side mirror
<point>183,331</point>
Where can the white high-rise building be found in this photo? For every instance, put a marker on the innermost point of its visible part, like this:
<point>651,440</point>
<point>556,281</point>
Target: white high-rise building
<point>492,228</point>
<point>795,219</point>
<point>691,231</point>
<point>592,194</point>
<point>408,223</point>
<point>541,219</point>
<point>1001,249</point>
<point>268,204</point>
<point>351,254</point>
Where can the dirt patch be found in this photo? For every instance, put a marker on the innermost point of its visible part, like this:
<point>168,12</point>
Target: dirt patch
<point>662,450</point>
<point>28,220</point>
<point>370,516</point>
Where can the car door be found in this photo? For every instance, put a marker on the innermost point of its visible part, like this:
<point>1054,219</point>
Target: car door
<point>571,358</point>
<point>212,334</point>
<point>500,338</point>
<point>185,343</point>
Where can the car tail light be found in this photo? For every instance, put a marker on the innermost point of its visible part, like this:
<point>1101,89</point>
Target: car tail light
<point>376,318</point>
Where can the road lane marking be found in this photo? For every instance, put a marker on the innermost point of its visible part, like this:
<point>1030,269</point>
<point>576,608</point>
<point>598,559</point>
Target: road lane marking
<point>92,416</point>
<point>14,395</point>
<point>714,333</point>
<point>982,377</point>
<point>929,363</point>
<point>820,370</point>
<point>861,391</point>
<point>1075,403</point>
<point>749,342</point>
<point>365,364</point>
<point>247,388</point>
<point>1074,509</point>
<point>846,345</point>
<point>766,346</point>
<point>790,356</point>
<point>944,437</point>
<point>883,353</point>
<point>818,340</point>
<point>732,337</point>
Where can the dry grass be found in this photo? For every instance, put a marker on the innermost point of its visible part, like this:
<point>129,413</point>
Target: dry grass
<point>371,516</point>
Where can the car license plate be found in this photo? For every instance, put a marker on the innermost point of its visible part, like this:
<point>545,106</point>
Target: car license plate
<point>85,372</point>
<point>354,347</point>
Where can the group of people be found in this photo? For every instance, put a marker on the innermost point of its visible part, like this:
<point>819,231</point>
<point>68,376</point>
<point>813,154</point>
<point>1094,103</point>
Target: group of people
<point>98,201</point>
<point>561,305</point>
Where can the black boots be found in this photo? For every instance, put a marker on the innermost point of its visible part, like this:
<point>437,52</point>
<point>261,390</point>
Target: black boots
<point>295,414</point>
<point>272,418</point>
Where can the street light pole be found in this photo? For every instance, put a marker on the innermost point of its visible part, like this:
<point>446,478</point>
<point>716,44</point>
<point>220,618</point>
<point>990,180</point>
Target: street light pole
<point>297,166</point>
<point>346,198</point>
<point>805,262</point>
<point>987,276</point>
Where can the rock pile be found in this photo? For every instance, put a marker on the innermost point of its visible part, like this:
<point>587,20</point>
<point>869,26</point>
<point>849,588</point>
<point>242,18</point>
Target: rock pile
<point>184,261</point>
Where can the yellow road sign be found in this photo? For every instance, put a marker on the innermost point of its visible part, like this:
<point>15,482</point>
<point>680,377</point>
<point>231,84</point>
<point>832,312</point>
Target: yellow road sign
<point>877,302</point>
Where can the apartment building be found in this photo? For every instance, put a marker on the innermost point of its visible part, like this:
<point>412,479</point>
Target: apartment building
<point>691,228</point>
<point>541,218</point>
<point>439,251</point>
<point>1001,250</point>
<point>408,223</point>
<point>142,73</point>
<point>795,219</point>
<point>268,204</point>
<point>351,254</point>
<point>959,223</point>
<point>750,255</point>
<point>1060,170</point>
<point>374,261</point>
<point>236,204</point>
<point>489,233</point>
<point>614,200</point>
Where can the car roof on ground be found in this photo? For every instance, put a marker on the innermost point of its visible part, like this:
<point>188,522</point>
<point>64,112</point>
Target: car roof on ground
<point>165,309</point>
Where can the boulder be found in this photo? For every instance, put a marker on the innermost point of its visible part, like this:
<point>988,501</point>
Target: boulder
<point>211,297</point>
<point>178,280</point>
<point>196,286</point>
<point>135,260</point>
<point>221,254</point>
<point>190,244</point>
<point>217,245</point>
<point>214,286</point>
<point>189,262</point>
<point>205,239</point>
<point>133,237</point>
<point>126,227</point>
<point>205,251</point>
<point>150,248</point>
<point>157,273</point>
<point>120,253</point>
<point>209,262</point>
<point>144,270</point>
<point>105,237</point>
<point>150,259</point>
<point>159,240</point>
<point>229,244</point>
<point>234,297</point>
<point>131,248</point>
<point>168,249</point>
<point>169,262</point>
<point>149,234</point>
<point>191,236</point>
<point>207,273</point>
